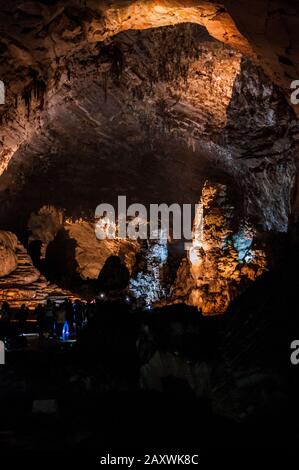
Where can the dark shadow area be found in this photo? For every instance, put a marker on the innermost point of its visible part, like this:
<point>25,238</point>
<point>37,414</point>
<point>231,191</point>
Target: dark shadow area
<point>34,250</point>
<point>60,263</point>
<point>250,401</point>
<point>113,276</point>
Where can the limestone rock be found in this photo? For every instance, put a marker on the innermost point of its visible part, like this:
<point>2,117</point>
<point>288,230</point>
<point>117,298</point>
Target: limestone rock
<point>8,259</point>
<point>45,224</point>
<point>149,116</point>
<point>25,284</point>
<point>223,260</point>
<point>91,253</point>
<point>32,60</point>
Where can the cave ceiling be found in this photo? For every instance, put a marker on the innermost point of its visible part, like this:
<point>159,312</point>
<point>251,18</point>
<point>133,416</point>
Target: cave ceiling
<point>161,101</point>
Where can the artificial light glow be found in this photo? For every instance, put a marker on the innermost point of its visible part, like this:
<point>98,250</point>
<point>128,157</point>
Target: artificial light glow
<point>147,285</point>
<point>194,255</point>
<point>65,331</point>
<point>197,239</point>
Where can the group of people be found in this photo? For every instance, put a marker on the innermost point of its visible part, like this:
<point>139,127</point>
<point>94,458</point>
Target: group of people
<point>53,320</point>
<point>21,315</point>
<point>59,320</point>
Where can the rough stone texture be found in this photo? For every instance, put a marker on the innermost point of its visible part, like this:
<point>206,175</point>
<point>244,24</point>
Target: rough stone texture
<point>38,40</point>
<point>24,283</point>
<point>271,29</point>
<point>135,115</point>
<point>183,111</point>
<point>8,259</point>
<point>45,224</point>
<point>262,136</point>
<point>89,254</point>
<point>222,260</point>
<point>151,279</point>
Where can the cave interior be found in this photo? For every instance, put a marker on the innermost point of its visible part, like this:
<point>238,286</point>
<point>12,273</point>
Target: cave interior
<point>163,102</point>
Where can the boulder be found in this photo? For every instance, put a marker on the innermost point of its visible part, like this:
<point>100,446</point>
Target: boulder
<point>8,258</point>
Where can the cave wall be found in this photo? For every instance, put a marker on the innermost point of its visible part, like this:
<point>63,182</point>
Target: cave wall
<point>103,108</point>
<point>184,111</point>
<point>39,38</point>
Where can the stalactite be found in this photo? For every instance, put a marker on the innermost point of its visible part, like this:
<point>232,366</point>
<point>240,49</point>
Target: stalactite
<point>26,96</point>
<point>111,56</point>
<point>105,85</point>
<point>39,89</point>
<point>117,62</point>
<point>35,89</point>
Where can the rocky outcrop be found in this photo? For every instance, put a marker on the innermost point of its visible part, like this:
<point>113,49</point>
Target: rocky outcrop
<point>8,259</point>
<point>150,281</point>
<point>135,115</point>
<point>89,254</point>
<point>223,257</point>
<point>24,283</point>
<point>44,225</point>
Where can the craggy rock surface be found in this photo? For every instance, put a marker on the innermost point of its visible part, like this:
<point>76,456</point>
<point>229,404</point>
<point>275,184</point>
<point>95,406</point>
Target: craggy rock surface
<point>20,281</point>
<point>38,40</point>
<point>8,260</point>
<point>223,260</point>
<point>106,114</point>
<point>89,253</point>
<point>136,103</point>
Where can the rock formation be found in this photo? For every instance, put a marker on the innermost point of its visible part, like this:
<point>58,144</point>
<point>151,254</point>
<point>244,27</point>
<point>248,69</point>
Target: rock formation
<point>20,281</point>
<point>222,260</point>
<point>109,111</point>
<point>8,259</point>
<point>89,253</point>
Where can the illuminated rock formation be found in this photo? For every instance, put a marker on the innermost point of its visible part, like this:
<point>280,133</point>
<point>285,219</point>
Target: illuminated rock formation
<point>152,114</point>
<point>199,107</point>
<point>8,259</point>
<point>43,227</point>
<point>149,283</point>
<point>39,40</point>
<point>22,282</point>
<point>89,254</point>
<point>222,262</point>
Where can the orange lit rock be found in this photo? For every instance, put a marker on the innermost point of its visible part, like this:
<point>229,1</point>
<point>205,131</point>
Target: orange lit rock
<point>90,253</point>
<point>226,261</point>
<point>216,100</point>
<point>24,283</point>
<point>8,259</point>
<point>44,38</point>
